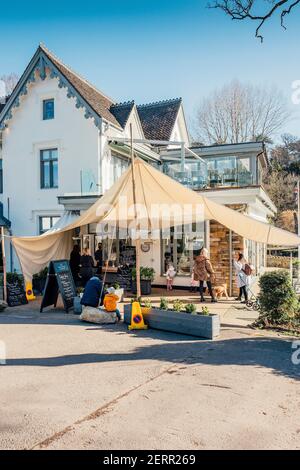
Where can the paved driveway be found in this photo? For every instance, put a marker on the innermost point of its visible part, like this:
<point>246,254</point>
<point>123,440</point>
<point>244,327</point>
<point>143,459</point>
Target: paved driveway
<point>72,385</point>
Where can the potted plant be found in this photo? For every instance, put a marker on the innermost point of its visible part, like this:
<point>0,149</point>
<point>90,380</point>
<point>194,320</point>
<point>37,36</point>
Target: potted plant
<point>39,281</point>
<point>147,277</point>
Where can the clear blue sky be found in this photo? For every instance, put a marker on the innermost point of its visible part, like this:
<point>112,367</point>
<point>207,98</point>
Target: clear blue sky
<point>149,50</point>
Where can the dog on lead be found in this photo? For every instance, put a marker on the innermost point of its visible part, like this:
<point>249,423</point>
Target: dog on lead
<point>220,291</point>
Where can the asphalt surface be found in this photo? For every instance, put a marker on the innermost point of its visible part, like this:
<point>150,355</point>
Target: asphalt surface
<point>73,385</point>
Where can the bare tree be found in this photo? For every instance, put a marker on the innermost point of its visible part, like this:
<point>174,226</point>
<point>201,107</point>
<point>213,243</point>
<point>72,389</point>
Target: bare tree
<point>256,10</point>
<point>240,113</point>
<point>10,82</point>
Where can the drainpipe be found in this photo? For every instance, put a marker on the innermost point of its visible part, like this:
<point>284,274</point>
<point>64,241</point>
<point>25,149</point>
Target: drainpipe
<point>100,157</point>
<point>182,157</point>
<point>10,243</point>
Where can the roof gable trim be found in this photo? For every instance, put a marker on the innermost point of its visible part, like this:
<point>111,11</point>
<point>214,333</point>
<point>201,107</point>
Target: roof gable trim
<point>39,63</point>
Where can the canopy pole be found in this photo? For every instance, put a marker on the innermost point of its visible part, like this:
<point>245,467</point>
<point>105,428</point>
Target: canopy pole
<point>230,263</point>
<point>138,241</point>
<point>4,265</point>
<point>298,231</point>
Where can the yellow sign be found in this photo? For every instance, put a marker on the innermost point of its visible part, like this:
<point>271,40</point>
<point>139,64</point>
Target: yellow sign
<point>137,320</point>
<point>29,292</point>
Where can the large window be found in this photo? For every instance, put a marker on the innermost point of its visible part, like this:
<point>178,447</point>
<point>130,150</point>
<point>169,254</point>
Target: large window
<point>48,109</point>
<point>47,222</point>
<point>117,167</point>
<point>49,168</point>
<point>182,247</point>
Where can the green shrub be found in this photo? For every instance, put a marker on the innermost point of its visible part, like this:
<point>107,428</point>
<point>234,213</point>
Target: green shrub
<point>146,274</point>
<point>277,298</point>
<point>147,303</point>
<point>178,305</point>
<point>42,274</point>
<point>11,278</point>
<point>204,311</point>
<point>164,303</point>
<point>191,308</point>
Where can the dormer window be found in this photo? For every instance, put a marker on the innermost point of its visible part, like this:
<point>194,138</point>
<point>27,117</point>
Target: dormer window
<point>48,109</point>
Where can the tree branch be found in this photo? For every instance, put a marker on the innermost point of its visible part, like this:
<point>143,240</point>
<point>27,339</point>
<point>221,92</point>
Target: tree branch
<point>244,9</point>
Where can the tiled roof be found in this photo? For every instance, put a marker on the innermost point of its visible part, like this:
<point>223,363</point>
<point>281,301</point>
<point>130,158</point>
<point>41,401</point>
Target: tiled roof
<point>100,103</point>
<point>158,118</point>
<point>121,111</point>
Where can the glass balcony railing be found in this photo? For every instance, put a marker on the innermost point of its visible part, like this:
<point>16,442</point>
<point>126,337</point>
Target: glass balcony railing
<point>88,183</point>
<point>198,176</point>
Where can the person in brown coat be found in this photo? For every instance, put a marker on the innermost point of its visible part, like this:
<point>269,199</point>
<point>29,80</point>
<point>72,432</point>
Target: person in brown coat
<point>203,271</point>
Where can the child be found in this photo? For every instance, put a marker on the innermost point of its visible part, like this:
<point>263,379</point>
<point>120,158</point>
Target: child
<point>170,274</point>
<point>194,284</point>
<point>110,302</point>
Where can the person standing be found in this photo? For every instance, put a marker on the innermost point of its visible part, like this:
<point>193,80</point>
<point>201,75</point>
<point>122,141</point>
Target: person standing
<point>75,262</point>
<point>241,277</point>
<point>203,272</point>
<point>86,266</point>
<point>170,274</point>
<point>99,258</point>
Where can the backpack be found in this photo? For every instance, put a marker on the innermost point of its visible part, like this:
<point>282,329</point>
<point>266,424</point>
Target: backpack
<point>247,269</point>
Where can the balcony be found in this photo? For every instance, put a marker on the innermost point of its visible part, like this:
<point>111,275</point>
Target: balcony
<point>212,173</point>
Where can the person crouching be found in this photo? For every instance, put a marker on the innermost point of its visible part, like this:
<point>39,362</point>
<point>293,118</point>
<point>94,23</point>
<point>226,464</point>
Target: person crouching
<point>110,302</point>
<point>93,293</point>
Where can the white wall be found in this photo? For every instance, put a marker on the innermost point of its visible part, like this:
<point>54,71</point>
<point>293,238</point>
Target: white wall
<point>78,145</point>
<point>180,132</point>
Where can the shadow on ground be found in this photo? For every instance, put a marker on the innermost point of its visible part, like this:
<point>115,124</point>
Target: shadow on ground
<point>269,353</point>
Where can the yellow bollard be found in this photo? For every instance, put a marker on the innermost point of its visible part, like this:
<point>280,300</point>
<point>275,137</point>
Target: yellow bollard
<point>29,292</point>
<point>137,320</point>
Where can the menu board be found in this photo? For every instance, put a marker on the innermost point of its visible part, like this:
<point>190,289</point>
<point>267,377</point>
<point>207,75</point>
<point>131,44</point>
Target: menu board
<point>59,280</point>
<point>16,294</point>
<point>128,256</point>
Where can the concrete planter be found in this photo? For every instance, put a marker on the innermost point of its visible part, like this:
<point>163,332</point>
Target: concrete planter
<point>202,326</point>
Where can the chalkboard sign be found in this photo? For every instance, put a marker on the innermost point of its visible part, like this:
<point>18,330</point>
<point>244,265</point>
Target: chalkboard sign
<point>16,294</point>
<point>59,280</point>
<point>128,256</point>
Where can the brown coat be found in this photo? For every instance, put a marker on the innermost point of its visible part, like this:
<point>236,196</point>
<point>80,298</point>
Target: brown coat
<point>203,270</point>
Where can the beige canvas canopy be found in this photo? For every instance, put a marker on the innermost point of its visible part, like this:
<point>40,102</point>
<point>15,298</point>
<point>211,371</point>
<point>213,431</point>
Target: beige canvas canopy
<point>155,194</point>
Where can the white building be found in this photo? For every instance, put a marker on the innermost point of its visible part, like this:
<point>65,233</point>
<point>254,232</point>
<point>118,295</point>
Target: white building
<point>60,150</point>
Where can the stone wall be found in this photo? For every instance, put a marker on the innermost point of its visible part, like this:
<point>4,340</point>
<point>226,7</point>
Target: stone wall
<point>220,252</point>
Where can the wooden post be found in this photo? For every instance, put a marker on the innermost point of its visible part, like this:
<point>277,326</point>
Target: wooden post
<point>138,241</point>
<point>4,265</point>
<point>230,263</point>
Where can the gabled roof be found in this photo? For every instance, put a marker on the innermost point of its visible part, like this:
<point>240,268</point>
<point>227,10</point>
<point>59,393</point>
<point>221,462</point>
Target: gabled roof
<point>121,111</point>
<point>158,119</point>
<point>97,105</point>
